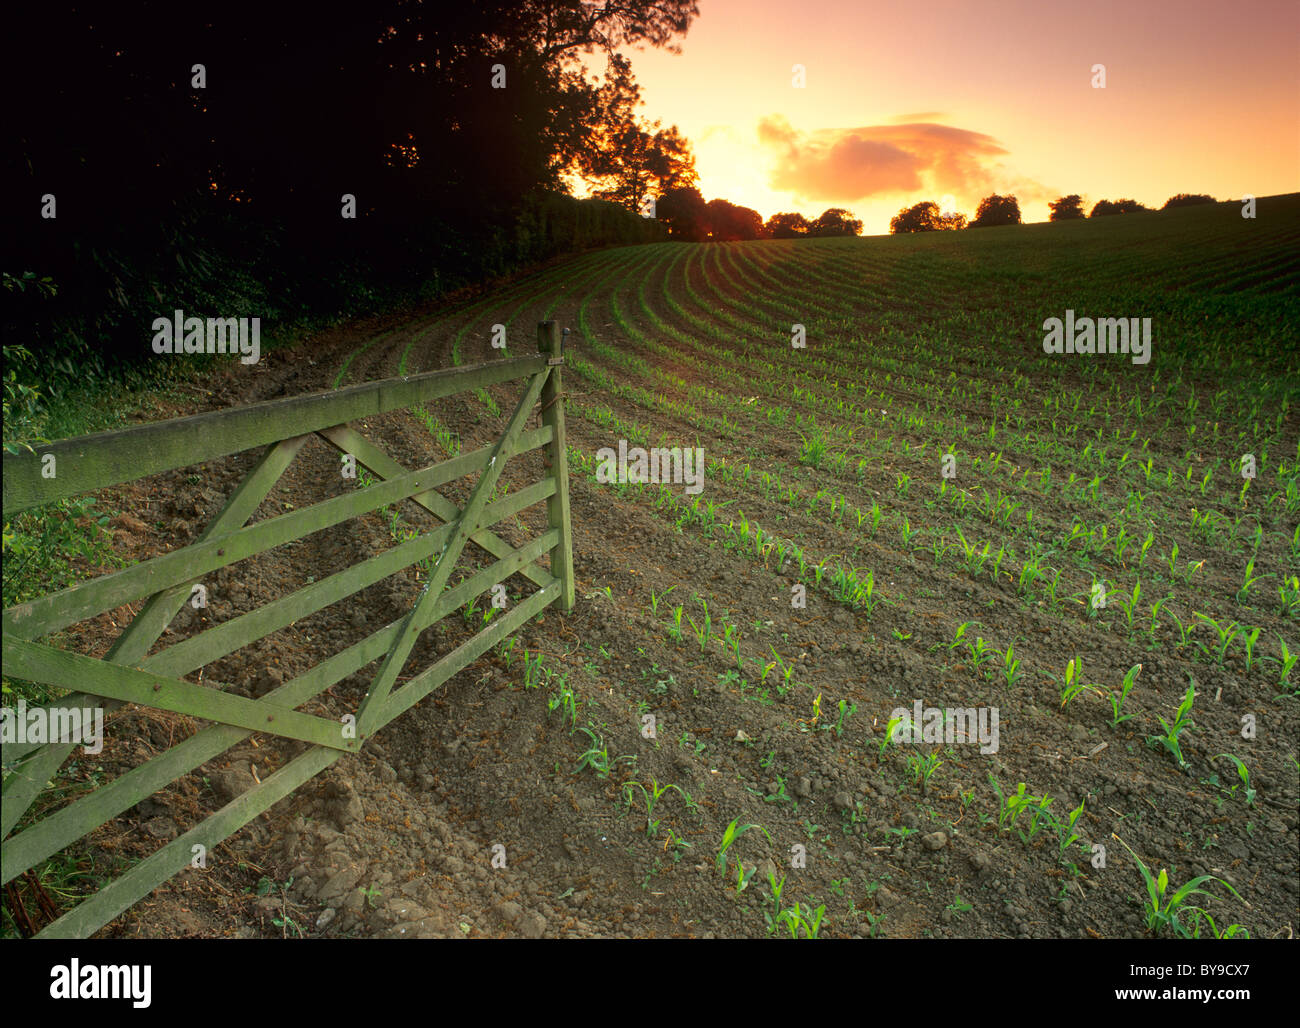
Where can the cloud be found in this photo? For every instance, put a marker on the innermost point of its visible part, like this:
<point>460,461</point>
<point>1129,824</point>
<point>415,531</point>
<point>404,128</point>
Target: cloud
<point>846,165</point>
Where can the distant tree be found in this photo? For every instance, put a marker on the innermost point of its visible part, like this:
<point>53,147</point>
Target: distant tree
<point>728,222</point>
<point>787,226</point>
<point>836,221</point>
<point>1187,200</point>
<point>996,210</point>
<point>921,217</point>
<point>1104,207</point>
<point>684,213</point>
<point>950,222</point>
<point>1067,208</point>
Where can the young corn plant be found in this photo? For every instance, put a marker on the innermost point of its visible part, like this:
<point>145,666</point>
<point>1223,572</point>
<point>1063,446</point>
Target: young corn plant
<point>1248,581</point>
<point>1288,594</point>
<point>922,768</point>
<point>1225,633</point>
<point>891,731</point>
<point>981,653</point>
<point>1117,701</point>
<point>1285,661</point>
<point>1010,667</point>
<point>1066,834</point>
<point>1163,910</point>
<point>564,701</point>
<point>674,627</point>
<point>1129,604</point>
<point>1182,722</point>
<point>1073,683</point>
<point>729,837</point>
<point>1244,775</point>
<point>803,919</point>
<point>846,711</point>
<point>656,597</point>
<point>1249,641</point>
<point>1012,806</point>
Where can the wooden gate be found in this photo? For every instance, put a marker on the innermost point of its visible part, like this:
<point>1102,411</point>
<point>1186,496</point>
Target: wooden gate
<point>128,673</point>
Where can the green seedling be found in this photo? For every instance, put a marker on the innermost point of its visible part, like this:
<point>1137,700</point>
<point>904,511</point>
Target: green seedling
<point>1230,932</point>
<point>890,729</point>
<point>1164,911</point>
<point>1010,667</point>
<point>1011,807</point>
<point>922,768</point>
<point>1074,684</point>
<point>1117,702</point>
<point>656,597</point>
<point>1248,581</point>
<point>1182,722</point>
<point>1285,661</point>
<point>675,626</point>
<point>803,919</point>
<point>846,711</point>
<point>1242,774</point>
<point>730,836</point>
<point>1067,836</point>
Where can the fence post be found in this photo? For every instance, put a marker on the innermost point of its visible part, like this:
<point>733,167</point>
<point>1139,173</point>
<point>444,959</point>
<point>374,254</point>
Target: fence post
<point>556,459</point>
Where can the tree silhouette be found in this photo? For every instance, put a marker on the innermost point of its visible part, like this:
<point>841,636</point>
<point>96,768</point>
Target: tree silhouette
<point>1067,208</point>
<point>729,222</point>
<point>921,217</point>
<point>787,226</point>
<point>1187,200</point>
<point>628,160</point>
<point>997,210</point>
<point>1103,208</point>
<point>683,212</point>
<point>836,221</point>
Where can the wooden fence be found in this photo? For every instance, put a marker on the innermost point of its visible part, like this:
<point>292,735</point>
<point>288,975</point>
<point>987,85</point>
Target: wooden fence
<point>128,673</point>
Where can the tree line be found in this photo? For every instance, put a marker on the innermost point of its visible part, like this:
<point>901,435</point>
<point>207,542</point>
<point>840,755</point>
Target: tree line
<point>687,217</point>
<point>1005,210</point>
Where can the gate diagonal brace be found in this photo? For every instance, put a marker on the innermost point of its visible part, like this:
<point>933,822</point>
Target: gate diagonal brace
<point>49,666</point>
<point>373,705</point>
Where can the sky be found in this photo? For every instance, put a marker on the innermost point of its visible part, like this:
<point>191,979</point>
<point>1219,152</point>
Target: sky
<point>950,101</point>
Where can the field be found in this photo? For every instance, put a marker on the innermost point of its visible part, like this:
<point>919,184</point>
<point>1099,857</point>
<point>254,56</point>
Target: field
<point>918,506</point>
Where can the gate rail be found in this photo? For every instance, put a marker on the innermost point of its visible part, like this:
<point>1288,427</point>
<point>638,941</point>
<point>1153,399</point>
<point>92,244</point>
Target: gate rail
<point>128,674</point>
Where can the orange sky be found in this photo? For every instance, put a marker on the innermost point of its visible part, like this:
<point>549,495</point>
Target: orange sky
<point>922,99</point>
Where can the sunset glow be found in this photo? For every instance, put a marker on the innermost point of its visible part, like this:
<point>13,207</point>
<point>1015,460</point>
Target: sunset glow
<point>911,101</point>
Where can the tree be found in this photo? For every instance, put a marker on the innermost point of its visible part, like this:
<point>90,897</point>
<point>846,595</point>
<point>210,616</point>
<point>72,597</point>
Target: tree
<point>921,217</point>
<point>1067,208</point>
<point>787,226</point>
<point>1187,200</point>
<point>683,212</point>
<point>951,222</point>
<point>629,160</point>
<point>836,221</point>
<point>996,210</point>
<point>1104,207</point>
<point>728,222</point>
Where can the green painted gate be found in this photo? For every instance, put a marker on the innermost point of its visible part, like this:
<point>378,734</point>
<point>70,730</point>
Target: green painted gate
<point>128,673</point>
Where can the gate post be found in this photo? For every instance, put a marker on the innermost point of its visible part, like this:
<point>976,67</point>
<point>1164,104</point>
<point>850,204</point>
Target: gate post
<point>556,459</point>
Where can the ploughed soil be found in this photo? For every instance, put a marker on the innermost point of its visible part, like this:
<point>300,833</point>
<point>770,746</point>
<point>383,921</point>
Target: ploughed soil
<point>481,812</point>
